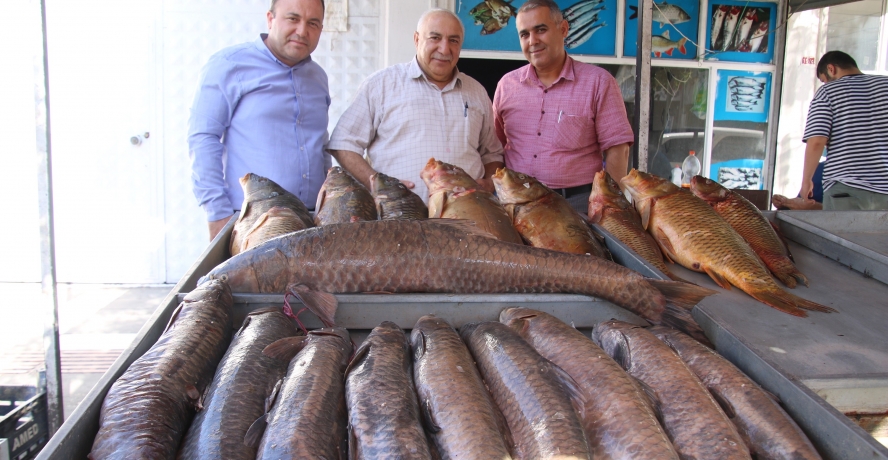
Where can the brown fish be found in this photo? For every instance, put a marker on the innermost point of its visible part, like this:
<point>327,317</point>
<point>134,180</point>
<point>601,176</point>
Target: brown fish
<point>147,410</point>
<point>618,421</point>
<point>273,223</point>
<point>530,391</point>
<point>746,219</point>
<point>442,255</point>
<point>394,201</point>
<point>306,415</point>
<point>343,199</point>
<point>697,426</point>
<point>691,233</point>
<point>260,195</point>
<point>767,429</point>
<point>453,194</point>
<point>237,396</point>
<point>383,412</point>
<point>458,411</point>
<point>544,218</point>
<point>611,210</point>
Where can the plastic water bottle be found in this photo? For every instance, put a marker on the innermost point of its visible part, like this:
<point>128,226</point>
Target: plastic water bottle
<point>676,176</point>
<point>690,167</point>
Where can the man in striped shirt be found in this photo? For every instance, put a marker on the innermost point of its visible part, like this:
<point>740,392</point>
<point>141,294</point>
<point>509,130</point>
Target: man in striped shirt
<point>559,119</point>
<point>848,116</point>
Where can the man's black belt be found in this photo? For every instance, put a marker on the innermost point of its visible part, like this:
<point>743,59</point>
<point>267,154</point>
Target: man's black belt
<point>571,191</point>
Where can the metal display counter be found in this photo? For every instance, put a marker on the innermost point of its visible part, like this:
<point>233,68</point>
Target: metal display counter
<point>790,357</point>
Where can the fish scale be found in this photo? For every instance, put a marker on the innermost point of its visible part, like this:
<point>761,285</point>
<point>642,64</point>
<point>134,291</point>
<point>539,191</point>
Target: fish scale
<point>260,195</point>
<point>528,392</point>
<point>618,422</point>
<point>343,199</point>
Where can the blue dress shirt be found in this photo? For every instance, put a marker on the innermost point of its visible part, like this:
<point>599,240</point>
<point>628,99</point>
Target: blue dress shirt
<point>253,113</point>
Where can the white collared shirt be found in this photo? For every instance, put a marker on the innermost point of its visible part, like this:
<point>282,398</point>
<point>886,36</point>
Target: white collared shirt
<point>401,119</point>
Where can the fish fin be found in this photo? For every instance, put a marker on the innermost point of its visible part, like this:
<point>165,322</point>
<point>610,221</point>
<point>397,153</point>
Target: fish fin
<point>192,392</point>
<point>360,353</point>
<point>786,278</point>
<point>285,349</point>
<point>718,278</point>
<point>173,318</point>
<point>780,300</point>
<point>684,295</point>
<point>773,397</point>
<point>681,45</point>
<point>572,388</point>
<point>675,277</point>
<point>644,211</point>
<point>418,344</point>
<point>244,326</point>
<point>322,304</point>
<point>650,396</point>
<point>811,305</point>
<point>622,353</point>
<point>668,52</point>
<point>436,204</point>
<point>273,395</point>
<point>656,54</point>
<point>256,225</point>
<point>665,244</point>
<point>682,319</point>
<point>322,196</point>
<point>725,405</point>
<point>634,12</point>
<point>666,34</point>
<point>255,432</point>
<point>428,417</point>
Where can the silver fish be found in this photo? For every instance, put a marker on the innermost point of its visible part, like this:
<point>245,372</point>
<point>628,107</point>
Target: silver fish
<point>745,81</point>
<point>718,20</point>
<point>664,13</point>
<point>755,42</point>
<point>746,90</point>
<point>745,26</point>
<point>582,9</point>
<point>585,36</point>
<point>583,3</point>
<point>730,26</point>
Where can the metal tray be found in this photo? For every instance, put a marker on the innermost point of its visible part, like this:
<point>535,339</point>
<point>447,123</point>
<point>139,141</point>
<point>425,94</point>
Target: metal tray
<point>858,239</point>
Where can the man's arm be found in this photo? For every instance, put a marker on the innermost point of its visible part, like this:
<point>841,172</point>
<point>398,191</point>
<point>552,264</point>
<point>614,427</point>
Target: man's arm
<point>616,161</point>
<point>216,226</point>
<point>813,151</point>
<point>489,169</point>
<point>358,167</point>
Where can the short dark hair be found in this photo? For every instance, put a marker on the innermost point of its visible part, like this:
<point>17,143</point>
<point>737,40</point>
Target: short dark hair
<point>271,8</point>
<point>550,4</point>
<point>836,58</point>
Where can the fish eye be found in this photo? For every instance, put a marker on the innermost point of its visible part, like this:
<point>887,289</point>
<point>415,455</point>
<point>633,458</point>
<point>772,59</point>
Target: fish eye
<point>224,277</point>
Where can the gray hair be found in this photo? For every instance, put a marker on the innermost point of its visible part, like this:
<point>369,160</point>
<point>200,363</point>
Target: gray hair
<point>554,9</point>
<point>440,10</point>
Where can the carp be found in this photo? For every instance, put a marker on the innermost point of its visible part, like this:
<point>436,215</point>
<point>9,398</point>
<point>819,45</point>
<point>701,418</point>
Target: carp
<point>394,201</point>
<point>260,195</point>
<point>306,415</point>
<point>613,212</point>
<point>343,199</point>
<point>453,194</point>
<point>459,414</point>
<point>544,218</point>
<point>746,219</point>
<point>275,222</point>
<point>767,429</point>
<point>689,232</point>
<point>147,410</point>
<point>237,395</point>
<point>441,255</point>
<point>697,426</point>
<point>618,421</point>
<point>532,393</point>
<point>383,411</point>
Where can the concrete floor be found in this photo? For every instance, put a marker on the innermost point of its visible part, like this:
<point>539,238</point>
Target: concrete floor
<point>96,322</point>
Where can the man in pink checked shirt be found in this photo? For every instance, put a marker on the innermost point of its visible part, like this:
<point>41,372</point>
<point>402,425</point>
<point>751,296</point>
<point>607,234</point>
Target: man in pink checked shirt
<point>560,120</point>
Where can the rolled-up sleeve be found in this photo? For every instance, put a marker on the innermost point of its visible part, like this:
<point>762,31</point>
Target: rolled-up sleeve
<point>211,113</point>
<point>820,117</point>
<point>611,122</point>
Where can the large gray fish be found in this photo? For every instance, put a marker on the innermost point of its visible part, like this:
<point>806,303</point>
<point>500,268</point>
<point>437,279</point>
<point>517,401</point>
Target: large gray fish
<point>147,410</point>
<point>459,414</point>
<point>697,426</point>
<point>618,421</point>
<point>306,413</point>
<point>237,396</point>
<point>532,393</point>
<point>441,255</point>
<point>767,429</point>
<point>260,195</point>
<point>343,199</point>
<point>383,412</point>
<point>394,201</point>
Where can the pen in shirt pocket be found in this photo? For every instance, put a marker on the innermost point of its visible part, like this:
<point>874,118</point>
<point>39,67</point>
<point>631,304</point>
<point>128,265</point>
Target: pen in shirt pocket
<point>466,110</point>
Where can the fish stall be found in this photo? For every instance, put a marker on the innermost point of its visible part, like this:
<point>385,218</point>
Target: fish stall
<point>819,367</point>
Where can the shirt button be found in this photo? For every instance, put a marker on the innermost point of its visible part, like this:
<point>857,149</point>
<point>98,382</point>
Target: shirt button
<point>534,156</point>
<point>538,134</point>
<point>305,176</point>
<point>545,91</point>
<point>302,148</point>
<point>544,111</point>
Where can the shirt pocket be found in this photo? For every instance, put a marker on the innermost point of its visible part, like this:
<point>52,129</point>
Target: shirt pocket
<point>573,132</point>
<point>473,121</point>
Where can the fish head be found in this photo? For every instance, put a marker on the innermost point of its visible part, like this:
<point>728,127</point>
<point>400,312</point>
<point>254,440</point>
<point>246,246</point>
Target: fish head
<point>611,337</point>
<point>513,187</point>
<point>337,179</point>
<point>335,331</point>
<point>641,185</point>
<point>750,15</point>
<point>605,194</point>
<point>492,25</point>
<point>444,176</point>
<point>426,327</point>
<point>708,189</point>
<point>519,319</point>
<point>257,187</point>
<point>237,272</point>
<point>384,185</point>
<point>479,9</point>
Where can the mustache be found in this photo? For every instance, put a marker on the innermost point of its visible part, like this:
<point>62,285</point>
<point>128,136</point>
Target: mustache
<point>298,38</point>
<point>442,57</point>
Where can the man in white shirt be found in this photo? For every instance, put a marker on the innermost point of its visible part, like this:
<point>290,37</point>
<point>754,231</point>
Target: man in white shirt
<point>407,113</point>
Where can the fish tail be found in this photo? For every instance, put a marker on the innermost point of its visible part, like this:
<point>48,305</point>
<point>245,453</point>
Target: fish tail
<point>811,305</point>
<point>780,300</point>
<point>675,277</point>
<point>634,12</point>
<point>681,319</point>
<point>787,279</point>
<point>681,294</point>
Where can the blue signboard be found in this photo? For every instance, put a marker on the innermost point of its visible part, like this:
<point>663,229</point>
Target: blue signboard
<point>673,32</point>
<point>740,31</point>
<point>742,96</point>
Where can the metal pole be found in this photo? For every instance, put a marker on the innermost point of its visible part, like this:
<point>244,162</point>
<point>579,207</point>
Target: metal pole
<point>776,96</point>
<point>642,115</point>
<point>47,241</point>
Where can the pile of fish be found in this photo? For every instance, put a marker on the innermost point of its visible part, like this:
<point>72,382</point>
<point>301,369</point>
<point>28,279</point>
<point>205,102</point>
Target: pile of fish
<point>707,229</point>
<point>492,15</point>
<point>731,33</point>
<point>527,387</point>
<point>582,19</point>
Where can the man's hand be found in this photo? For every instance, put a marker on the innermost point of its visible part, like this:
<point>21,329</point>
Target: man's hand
<point>216,226</point>
<point>813,151</point>
<point>486,184</point>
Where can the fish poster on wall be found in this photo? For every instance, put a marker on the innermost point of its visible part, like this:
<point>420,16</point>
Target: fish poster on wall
<point>742,96</point>
<point>674,29</point>
<point>490,25</point>
<point>740,31</point>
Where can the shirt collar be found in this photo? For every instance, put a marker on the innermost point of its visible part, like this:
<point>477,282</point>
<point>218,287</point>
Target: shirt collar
<point>567,73</point>
<point>263,49</point>
<point>415,71</point>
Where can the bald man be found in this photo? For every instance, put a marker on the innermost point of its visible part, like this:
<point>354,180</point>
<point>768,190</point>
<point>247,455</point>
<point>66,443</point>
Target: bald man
<point>407,113</point>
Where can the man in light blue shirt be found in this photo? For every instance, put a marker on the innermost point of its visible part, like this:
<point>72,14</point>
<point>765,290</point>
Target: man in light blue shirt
<point>262,107</point>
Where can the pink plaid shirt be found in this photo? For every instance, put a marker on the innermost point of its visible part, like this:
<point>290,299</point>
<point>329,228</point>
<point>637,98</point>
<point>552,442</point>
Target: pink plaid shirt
<point>557,134</point>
